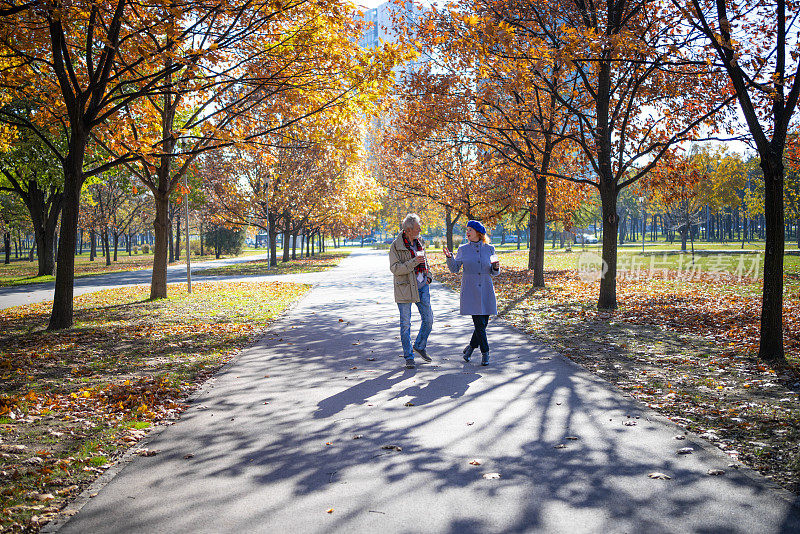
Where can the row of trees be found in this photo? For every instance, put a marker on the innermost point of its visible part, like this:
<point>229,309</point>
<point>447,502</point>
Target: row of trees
<point>535,101</point>
<point>152,91</point>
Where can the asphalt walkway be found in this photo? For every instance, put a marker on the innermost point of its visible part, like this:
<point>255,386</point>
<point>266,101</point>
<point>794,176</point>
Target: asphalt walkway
<point>318,428</point>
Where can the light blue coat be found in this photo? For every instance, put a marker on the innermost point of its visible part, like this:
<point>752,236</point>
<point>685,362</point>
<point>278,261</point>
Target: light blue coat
<point>477,289</point>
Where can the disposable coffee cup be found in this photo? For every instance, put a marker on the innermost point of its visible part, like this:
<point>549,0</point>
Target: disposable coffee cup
<point>493,258</point>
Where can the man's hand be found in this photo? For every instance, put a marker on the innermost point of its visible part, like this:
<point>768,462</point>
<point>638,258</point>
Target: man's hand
<point>447,253</point>
<point>419,259</point>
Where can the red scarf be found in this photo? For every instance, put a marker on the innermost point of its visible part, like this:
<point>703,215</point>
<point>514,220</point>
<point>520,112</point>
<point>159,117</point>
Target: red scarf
<point>422,267</point>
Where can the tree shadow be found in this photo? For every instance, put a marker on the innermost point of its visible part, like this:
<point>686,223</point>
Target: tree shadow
<point>273,448</point>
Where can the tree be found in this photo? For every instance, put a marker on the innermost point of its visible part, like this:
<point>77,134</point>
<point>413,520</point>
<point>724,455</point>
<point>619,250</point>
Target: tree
<point>79,62</point>
<point>29,172</point>
<point>488,48</point>
<point>636,93</point>
<point>754,47</point>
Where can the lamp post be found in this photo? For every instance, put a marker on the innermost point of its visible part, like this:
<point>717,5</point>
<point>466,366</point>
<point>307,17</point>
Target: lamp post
<point>188,251</point>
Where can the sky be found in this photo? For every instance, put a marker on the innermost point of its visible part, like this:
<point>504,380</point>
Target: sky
<point>369,4</point>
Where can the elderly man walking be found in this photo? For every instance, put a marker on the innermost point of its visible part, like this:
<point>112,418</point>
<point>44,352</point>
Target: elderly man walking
<point>409,265</point>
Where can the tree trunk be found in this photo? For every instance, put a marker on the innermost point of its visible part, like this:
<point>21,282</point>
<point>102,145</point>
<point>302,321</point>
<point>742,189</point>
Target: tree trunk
<point>532,237</point>
<point>44,225</point>
<point>294,246</point>
<point>684,231</point>
<point>92,244</point>
<point>62,312</point>
<point>202,249</point>
<point>272,230</point>
<point>541,221</point>
<point>771,345</point>
<point>158,282</point>
<point>449,224</point>
<point>287,242</point>
<point>116,244</point>
<point>107,246</point>
<point>607,299</point>
<point>7,244</point>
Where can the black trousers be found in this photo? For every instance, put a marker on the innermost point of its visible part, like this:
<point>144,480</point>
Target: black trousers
<point>479,334</point>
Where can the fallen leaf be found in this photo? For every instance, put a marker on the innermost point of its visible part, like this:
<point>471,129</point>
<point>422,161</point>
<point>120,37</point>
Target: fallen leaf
<point>68,489</point>
<point>629,423</point>
<point>397,448</point>
<point>358,436</point>
<point>470,423</point>
<point>572,438</point>
<point>43,497</point>
<point>680,437</point>
<point>715,472</point>
<point>370,359</point>
<point>409,404</point>
<point>476,462</point>
<point>341,321</point>
<point>491,476</point>
<point>188,456</point>
<point>560,446</point>
<point>686,450</point>
<point>330,510</point>
<point>146,452</point>
<point>659,476</point>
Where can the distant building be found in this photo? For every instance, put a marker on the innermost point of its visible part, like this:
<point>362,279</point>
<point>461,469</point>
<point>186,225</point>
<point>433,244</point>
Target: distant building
<point>383,27</point>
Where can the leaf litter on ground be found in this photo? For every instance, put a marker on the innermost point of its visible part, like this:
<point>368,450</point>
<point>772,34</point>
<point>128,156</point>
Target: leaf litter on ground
<point>685,347</point>
<point>72,402</point>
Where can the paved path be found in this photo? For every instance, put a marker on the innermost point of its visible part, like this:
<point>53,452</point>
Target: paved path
<point>30,293</point>
<point>273,448</point>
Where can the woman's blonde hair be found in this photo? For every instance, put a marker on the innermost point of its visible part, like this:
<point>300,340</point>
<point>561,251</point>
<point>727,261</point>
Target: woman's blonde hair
<point>482,237</point>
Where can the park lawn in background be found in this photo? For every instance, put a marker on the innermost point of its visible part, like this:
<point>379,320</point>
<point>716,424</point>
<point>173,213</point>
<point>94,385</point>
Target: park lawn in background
<point>24,272</point>
<point>686,348</point>
<point>319,262</point>
<point>71,402</point>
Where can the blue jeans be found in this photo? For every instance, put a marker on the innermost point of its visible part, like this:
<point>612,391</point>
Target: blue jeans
<point>425,313</point>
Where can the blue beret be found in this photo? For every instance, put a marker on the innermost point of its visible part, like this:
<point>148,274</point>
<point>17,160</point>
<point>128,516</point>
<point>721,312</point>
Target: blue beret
<point>478,227</point>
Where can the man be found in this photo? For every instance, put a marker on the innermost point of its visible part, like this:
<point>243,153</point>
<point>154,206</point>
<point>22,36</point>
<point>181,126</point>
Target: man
<point>409,265</point>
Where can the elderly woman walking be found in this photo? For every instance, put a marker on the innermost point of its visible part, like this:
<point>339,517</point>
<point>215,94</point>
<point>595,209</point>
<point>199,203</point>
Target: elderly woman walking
<point>411,284</point>
<point>480,263</point>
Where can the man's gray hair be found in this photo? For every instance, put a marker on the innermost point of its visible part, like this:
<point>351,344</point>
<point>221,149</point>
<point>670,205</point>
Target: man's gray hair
<point>410,220</point>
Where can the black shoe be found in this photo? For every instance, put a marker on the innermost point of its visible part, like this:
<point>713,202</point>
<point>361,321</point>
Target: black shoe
<point>468,352</point>
<point>410,363</point>
<point>485,358</point>
<point>423,354</point>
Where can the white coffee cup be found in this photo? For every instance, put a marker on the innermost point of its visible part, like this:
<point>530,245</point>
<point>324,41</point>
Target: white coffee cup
<point>493,258</point>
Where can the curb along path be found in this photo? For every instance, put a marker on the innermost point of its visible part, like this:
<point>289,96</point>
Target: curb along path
<point>318,428</point>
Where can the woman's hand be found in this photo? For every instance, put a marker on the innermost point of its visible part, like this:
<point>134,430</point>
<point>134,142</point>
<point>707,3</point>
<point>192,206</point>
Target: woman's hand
<point>447,253</point>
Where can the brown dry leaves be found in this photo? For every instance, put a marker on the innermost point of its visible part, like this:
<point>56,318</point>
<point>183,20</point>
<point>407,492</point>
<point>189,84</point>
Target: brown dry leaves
<point>71,402</point>
<point>687,348</point>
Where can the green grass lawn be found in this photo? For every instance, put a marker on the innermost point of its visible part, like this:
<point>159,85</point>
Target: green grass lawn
<point>24,272</point>
<point>319,262</point>
<point>73,401</point>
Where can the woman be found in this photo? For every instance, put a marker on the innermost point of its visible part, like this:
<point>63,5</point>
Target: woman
<point>477,290</point>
